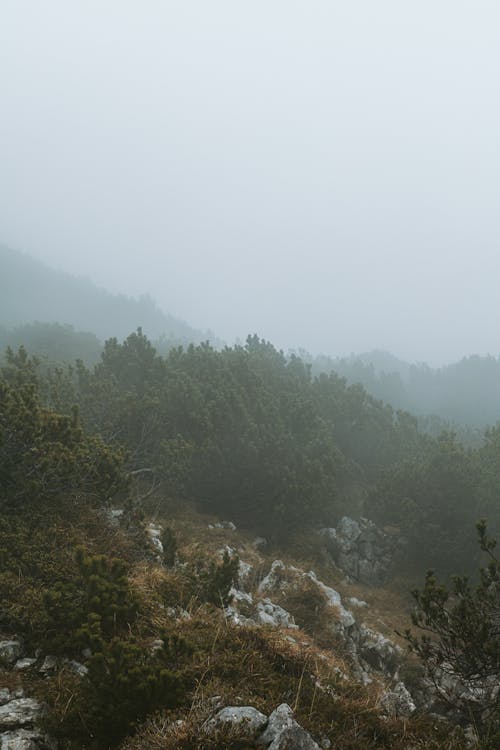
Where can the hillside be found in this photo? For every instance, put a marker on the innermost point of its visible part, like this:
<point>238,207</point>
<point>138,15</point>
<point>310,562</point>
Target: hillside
<point>213,549</point>
<point>31,291</point>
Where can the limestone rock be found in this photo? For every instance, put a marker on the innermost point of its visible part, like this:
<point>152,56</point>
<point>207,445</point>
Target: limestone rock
<point>283,732</point>
<point>398,702</point>
<point>20,739</point>
<point>361,549</point>
<point>377,651</point>
<point>334,600</point>
<point>269,613</point>
<point>10,651</point>
<point>241,722</point>
<point>19,713</point>
<point>154,533</point>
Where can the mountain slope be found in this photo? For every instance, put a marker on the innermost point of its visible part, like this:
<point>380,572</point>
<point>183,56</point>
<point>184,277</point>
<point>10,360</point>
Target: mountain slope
<point>32,291</point>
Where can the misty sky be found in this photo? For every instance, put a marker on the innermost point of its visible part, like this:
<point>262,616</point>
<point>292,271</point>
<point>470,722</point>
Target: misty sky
<point>325,173</point>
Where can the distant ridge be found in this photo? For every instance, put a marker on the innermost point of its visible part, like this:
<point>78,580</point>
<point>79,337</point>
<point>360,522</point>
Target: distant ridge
<point>32,291</point>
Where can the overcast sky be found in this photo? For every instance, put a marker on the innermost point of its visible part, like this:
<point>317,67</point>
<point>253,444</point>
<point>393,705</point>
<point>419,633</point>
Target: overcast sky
<point>325,173</point>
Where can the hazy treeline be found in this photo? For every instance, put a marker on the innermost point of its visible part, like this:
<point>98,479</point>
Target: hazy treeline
<point>252,435</point>
<point>462,394</point>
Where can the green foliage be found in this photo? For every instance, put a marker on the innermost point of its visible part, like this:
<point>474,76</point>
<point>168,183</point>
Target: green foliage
<point>123,685</point>
<point>216,582</point>
<point>45,455</point>
<point>97,604</point>
<point>432,497</point>
<point>461,637</point>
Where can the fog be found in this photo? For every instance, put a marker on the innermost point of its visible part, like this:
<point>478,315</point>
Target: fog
<point>323,173</point>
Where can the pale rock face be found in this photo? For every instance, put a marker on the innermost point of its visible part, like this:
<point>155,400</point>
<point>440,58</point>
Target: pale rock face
<point>241,722</point>
<point>283,732</point>
<point>361,549</point>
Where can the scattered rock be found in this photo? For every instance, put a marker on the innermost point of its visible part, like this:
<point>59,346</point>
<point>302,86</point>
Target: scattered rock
<point>334,600</point>
<point>24,663</point>
<point>358,603</point>
<point>115,515</point>
<point>76,667</point>
<point>19,713</point>
<point>243,723</point>
<point>269,613</point>
<point>276,579</point>
<point>398,702</point>
<point>4,696</point>
<point>259,542</point>
<point>377,651</point>
<point>222,525</point>
<point>283,732</point>
<point>50,664</point>
<point>154,533</point>
<point>20,739</point>
<point>10,651</point>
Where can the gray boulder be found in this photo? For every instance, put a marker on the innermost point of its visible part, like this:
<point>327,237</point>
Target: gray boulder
<point>239,722</point>
<point>269,613</point>
<point>284,733</point>
<point>398,702</point>
<point>10,651</point>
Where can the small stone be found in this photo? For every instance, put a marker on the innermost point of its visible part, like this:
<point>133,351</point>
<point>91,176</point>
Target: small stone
<point>79,669</point>
<point>50,664</point>
<point>358,603</point>
<point>24,663</point>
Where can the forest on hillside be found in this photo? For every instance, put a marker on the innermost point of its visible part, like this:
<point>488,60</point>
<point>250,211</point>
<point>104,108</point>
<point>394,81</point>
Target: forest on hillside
<point>243,433</point>
<point>251,434</point>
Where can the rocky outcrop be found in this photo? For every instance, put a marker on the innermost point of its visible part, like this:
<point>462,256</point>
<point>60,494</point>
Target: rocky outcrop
<point>244,723</point>
<point>18,722</point>
<point>362,550</point>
